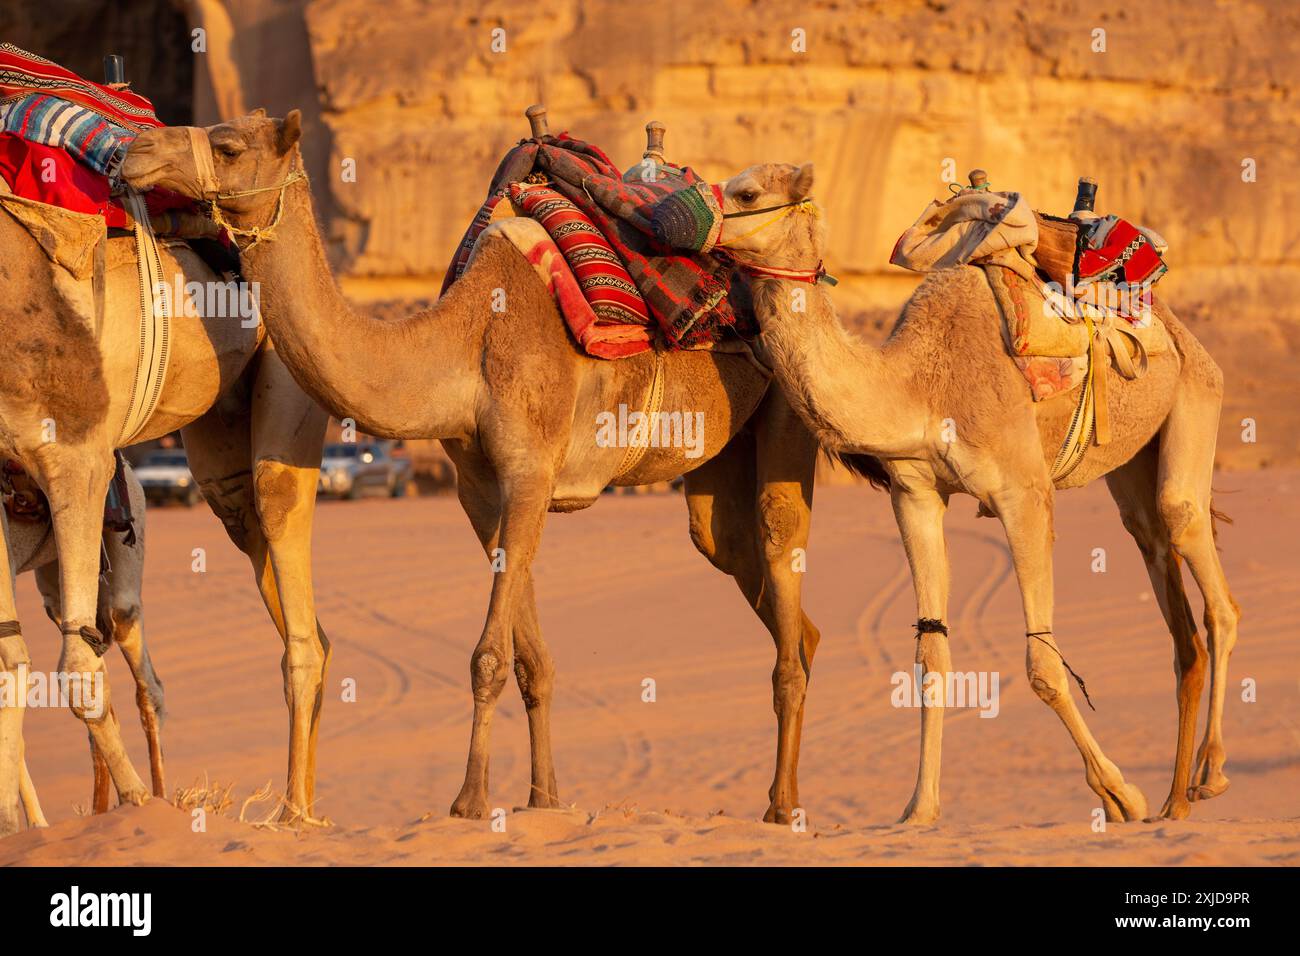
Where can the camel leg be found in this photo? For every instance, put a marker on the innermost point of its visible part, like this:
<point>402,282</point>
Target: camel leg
<point>1186,468</point>
<point>31,803</point>
<point>75,483</point>
<point>1133,487</point>
<point>15,662</point>
<point>786,459</point>
<point>270,494</point>
<point>919,509</point>
<point>288,433</point>
<point>1026,514</point>
<point>524,499</point>
<point>122,609</point>
<point>752,537</point>
<point>534,669</point>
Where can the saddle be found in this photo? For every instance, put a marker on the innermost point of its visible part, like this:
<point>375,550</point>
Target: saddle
<point>1074,293</point>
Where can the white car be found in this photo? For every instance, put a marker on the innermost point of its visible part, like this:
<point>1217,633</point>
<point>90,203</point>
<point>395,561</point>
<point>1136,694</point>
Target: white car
<point>165,476</point>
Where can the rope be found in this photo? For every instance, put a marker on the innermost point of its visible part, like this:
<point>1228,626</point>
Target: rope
<point>258,233</point>
<point>1079,680</point>
<point>654,402</point>
<point>930,625</point>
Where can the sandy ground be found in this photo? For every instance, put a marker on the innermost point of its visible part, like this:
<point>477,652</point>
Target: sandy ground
<point>401,589</point>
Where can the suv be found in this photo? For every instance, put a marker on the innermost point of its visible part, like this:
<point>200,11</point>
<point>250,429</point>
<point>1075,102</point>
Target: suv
<point>165,476</point>
<point>353,469</point>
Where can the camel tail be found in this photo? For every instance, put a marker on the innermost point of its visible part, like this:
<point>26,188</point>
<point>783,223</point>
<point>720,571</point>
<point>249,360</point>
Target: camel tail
<point>864,466</point>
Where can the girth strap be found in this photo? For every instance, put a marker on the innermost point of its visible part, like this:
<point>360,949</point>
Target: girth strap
<point>155,324</point>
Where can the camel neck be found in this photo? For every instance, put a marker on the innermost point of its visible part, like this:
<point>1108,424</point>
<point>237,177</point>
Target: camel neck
<point>412,377</point>
<point>850,393</point>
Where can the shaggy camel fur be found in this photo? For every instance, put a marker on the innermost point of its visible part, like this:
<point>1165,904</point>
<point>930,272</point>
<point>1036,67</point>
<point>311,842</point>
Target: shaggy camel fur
<point>516,405</point>
<point>31,548</point>
<point>254,441</point>
<point>943,368</point>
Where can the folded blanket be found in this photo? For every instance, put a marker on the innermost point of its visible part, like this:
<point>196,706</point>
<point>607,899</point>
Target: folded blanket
<point>78,131</point>
<point>22,72</point>
<point>687,295</point>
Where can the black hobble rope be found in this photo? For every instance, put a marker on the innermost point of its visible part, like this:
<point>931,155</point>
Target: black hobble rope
<point>1078,680</point>
<point>930,625</point>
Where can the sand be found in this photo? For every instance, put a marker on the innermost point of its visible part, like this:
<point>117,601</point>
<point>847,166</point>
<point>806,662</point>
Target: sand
<point>401,589</point>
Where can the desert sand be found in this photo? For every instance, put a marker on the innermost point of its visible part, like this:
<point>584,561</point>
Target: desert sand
<point>401,588</point>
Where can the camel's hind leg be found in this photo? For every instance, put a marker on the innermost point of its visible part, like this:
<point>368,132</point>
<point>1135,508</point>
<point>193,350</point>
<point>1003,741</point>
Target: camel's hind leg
<point>1187,442</point>
<point>1026,514</point>
<point>258,468</point>
<point>1133,487</point>
<point>525,492</point>
<point>749,512</point>
<point>479,496</point>
<point>919,510</point>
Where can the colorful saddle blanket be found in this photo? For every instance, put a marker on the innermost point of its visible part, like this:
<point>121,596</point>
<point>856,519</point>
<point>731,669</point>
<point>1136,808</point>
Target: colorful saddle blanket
<point>602,225</point>
<point>63,138</point>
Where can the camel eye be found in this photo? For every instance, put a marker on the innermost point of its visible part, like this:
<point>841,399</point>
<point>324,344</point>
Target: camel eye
<point>747,195</point>
<point>228,150</point>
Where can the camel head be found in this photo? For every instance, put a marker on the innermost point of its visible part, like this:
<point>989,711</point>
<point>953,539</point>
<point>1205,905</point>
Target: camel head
<point>769,218</point>
<point>238,166</point>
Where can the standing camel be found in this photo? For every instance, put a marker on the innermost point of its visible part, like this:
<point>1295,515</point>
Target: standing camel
<point>31,548</point>
<point>254,441</point>
<point>945,365</point>
<point>515,403</point>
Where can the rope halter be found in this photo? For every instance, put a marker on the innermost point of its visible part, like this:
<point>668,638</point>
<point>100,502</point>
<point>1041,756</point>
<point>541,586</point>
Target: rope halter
<point>209,188</point>
<point>811,276</point>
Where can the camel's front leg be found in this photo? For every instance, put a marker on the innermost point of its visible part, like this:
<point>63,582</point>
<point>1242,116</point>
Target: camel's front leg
<point>1026,514</point>
<point>15,662</point>
<point>919,509</point>
<point>480,497</point>
<point>31,803</point>
<point>76,481</point>
<point>524,500</point>
<point>785,461</point>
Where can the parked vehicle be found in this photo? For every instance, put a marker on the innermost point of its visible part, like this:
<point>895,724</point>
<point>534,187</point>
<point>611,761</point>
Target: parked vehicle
<point>165,476</point>
<point>355,469</point>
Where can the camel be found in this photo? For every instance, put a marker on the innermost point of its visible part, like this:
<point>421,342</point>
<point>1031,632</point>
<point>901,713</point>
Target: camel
<point>31,548</point>
<point>515,403</point>
<point>254,441</point>
<point>944,366</point>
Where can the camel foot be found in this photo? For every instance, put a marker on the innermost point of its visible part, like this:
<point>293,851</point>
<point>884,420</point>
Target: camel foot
<point>920,814</point>
<point>1212,787</point>
<point>470,806</point>
<point>1175,808</point>
<point>538,801</point>
<point>1126,805</point>
<point>293,817</point>
<point>778,815</point>
<point>136,797</point>
<point>10,822</point>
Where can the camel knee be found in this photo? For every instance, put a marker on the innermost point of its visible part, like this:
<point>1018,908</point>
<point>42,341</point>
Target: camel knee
<point>789,684</point>
<point>276,495</point>
<point>1046,674</point>
<point>1184,517</point>
<point>723,553</point>
<point>536,679</point>
<point>487,672</point>
<point>304,667</point>
<point>780,523</point>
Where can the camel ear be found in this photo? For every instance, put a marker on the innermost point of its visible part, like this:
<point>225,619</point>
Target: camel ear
<point>290,131</point>
<point>258,113</point>
<point>802,186</point>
